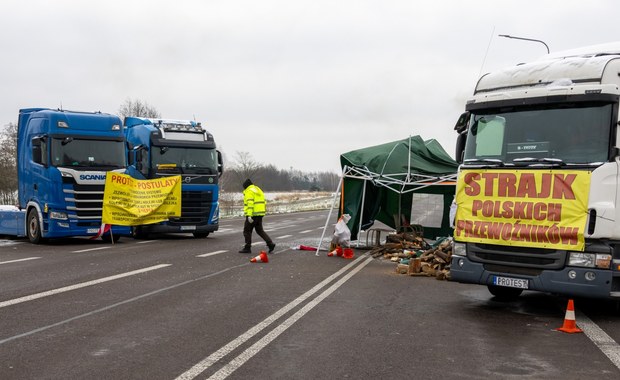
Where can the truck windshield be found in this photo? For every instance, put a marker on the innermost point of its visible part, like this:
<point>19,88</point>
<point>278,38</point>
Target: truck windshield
<point>562,134</point>
<point>75,152</point>
<point>188,160</point>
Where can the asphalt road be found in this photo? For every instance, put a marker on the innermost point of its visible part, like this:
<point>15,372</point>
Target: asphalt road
<point>185,308</point>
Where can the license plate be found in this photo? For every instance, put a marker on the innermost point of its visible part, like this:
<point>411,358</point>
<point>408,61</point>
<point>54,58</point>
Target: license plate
<point>92,230</point>
<point>511,282</point>
<point>188,228</point>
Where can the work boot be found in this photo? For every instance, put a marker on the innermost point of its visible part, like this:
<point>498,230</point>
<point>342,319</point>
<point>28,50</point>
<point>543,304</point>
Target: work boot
<point>246,249</point>
<point>271,247</point>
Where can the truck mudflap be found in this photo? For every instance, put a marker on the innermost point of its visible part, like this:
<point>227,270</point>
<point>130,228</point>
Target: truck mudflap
<point>549,281</point>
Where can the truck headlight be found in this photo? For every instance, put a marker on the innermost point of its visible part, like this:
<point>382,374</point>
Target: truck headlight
<point>58,215</point>
<point>589,260</point>
<point>459,249</point>
<point>580,259</point>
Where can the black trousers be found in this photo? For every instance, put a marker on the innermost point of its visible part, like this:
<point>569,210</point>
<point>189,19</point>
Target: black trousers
<point>258,225</point>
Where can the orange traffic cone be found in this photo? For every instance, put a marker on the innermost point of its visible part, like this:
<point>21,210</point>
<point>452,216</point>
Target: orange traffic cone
<point>262,258</point>
<point>335,252</point>
<point>570,325</point>
<point>348,253</point>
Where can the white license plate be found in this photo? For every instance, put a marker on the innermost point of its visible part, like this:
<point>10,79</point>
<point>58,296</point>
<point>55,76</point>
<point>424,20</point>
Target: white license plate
<point>511,282</point>
<point>188,228</point>
<point>92,230</point>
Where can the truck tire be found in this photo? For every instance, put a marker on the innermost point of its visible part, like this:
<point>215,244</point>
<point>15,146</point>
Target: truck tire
<point>137,233</point>
<point>503,293</point>
<point>200,235</point>
<point>33,227</point>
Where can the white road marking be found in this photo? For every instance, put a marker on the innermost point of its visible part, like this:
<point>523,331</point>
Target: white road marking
<point>18,260</point>
<point>246,355</point>
<point>279,228</point>
<point>9,242</point>
<point>284,236</point>
<point>207,362</point>
<point>115,305</point>
<point>211,253</point>
<point>305,232</point>
<point>92,249</point>
<point>600,338</point>
<point>146,241</point>
<point>78,286</point>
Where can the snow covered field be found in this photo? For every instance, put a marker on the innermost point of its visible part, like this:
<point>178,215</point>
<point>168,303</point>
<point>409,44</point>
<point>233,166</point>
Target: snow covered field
<point>231,204</point>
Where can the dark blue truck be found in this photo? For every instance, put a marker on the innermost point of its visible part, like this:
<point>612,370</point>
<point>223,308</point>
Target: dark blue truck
<point>62,160</point>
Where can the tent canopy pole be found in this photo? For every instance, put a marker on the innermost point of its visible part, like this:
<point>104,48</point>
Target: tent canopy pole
<point>329,215</point>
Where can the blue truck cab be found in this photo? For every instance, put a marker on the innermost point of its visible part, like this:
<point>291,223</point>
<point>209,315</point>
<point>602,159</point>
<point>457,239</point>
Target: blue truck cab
<point>62,160</point>
<point>164,147</point>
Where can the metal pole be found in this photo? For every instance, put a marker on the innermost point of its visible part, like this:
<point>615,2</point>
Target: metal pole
<point>525,39</point>
<point>359,227</point>
<point>318,248</point>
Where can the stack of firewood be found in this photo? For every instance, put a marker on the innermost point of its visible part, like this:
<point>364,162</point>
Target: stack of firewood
<point>415,257</point>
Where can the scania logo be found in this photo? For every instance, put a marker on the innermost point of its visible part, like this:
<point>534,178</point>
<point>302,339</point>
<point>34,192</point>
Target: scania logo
<point>90,177</point>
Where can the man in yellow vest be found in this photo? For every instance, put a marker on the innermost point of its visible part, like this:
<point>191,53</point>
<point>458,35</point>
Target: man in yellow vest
<point>254,209</point>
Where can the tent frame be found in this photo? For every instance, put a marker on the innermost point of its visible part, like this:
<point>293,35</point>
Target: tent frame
<point>411,183</point>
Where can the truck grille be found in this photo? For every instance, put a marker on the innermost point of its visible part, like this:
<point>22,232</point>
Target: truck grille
<point>539,258</point>
<point>83,201</point>
<point>195,208</point>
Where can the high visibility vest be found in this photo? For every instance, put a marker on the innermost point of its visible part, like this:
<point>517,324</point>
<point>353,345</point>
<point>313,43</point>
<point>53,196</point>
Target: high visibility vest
<point>254,203</point>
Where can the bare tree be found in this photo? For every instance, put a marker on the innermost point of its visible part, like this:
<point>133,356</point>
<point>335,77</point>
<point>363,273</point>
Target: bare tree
<point>137,108</point>
<point>245,166</point>
<point>8,165</point>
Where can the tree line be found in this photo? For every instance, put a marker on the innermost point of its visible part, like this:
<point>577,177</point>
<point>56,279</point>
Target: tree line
<point>242,166</point>
<point>270,178</point>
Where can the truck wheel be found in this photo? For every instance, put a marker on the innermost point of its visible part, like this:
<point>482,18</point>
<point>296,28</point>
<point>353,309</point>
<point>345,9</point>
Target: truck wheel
<point>33,227</point>
<point>137,233</point>
<point>503,293</point>
<point>200,235</point>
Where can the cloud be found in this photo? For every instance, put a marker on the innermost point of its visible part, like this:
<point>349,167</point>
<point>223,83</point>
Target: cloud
<point>295,83</point>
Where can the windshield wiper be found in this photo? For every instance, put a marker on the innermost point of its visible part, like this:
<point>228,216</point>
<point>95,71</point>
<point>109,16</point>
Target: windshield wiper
<point>493,162</point>
<point>545,161</point>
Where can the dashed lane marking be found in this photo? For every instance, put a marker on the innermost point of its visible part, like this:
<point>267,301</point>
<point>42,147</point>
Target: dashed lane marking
<point>284,236</point>
<point>79,286</point>
<point>211,253</point>
<point>92,249</point>
<point>18,260</point>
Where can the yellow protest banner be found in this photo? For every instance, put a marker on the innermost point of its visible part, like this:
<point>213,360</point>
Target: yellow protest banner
<point>530,208</point>
<point>131,202</point>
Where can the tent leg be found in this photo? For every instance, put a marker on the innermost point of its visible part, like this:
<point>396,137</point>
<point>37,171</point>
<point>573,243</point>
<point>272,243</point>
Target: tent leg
<point>359,227</point>
<point>318,248</point>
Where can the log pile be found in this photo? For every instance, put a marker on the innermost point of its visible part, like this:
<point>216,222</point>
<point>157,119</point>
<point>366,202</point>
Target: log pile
<point>415,257</point>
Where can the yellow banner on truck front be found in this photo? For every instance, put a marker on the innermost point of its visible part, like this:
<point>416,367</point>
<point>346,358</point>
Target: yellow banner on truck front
<point>130,202</point>
<point>530,208</point>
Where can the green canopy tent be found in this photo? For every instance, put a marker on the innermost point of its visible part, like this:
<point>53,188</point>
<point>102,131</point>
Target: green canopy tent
<point>400,183</point>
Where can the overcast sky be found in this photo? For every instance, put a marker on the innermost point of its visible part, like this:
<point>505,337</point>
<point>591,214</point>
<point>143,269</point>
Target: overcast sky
<point>293,82</point>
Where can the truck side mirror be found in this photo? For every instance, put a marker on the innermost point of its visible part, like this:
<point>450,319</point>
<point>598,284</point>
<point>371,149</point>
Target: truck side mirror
<point>137,156</point>
<point>461,127</point>
<point>220,164</point>
<point>462,122</point>
<point>460,147</point>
